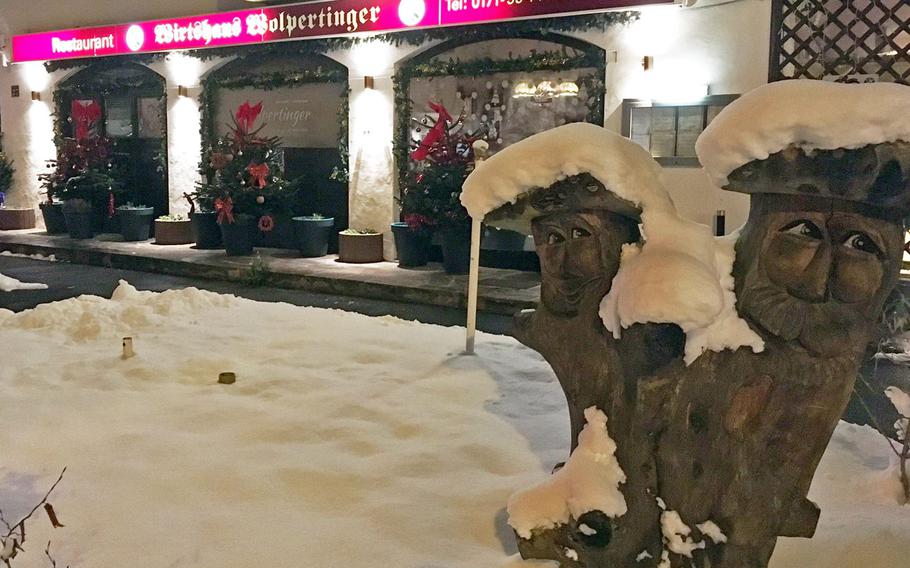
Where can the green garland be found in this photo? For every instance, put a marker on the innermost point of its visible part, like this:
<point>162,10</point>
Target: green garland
<point>319,46</point>
<point>270,81</point>
<point>537,61</point>
<point>111,61</point>
<point>473,32</point>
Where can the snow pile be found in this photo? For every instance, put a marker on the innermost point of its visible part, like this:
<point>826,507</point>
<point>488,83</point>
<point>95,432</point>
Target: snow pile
<point>814,115</point>
<point>589,481</point>
<point>680,275</point>
<point>901,402</point>
<point>10,284</point>
<point>677,536</point>
<point>346,439</point>
<point>48,258</point>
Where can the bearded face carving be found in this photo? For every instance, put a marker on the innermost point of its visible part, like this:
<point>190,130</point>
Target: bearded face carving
<point>579,255</point>
<point>816,270</point>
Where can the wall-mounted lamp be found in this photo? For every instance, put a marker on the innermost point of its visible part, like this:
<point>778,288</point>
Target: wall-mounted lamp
<point>369,82</point>
<point>36,95</point>
<point>183,91</point>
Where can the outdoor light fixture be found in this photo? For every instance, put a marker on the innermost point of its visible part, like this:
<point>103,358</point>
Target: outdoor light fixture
<point>183,91</point>
<point>368,82</point>
<point>36,95</point>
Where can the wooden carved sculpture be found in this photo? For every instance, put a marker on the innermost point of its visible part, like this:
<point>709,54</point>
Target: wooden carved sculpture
<point>717,455</point>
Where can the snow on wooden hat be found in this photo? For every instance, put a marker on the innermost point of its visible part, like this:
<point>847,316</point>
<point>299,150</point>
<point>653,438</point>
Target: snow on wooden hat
<point>524,181</point>
<point>805,137</point>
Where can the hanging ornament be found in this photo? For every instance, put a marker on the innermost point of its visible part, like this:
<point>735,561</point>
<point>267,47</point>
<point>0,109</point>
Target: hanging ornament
<point>260,199</point>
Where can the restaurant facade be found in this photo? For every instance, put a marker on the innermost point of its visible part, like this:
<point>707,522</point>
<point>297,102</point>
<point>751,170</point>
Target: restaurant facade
<point>347,86</point>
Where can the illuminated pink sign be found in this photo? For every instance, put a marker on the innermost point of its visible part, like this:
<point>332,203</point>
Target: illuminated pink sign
<point>295,21</point>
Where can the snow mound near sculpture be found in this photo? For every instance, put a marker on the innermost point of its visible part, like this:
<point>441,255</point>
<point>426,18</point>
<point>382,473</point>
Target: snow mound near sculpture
<point>813,115</point>
<point>347,441</point>
<point>10,284</point>
<point>679,275</point>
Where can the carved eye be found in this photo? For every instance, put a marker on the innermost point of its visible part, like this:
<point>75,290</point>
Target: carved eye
<point>804,228</point>
<point>579,233</point>
<point>863,242</point>
<point>555,237</point>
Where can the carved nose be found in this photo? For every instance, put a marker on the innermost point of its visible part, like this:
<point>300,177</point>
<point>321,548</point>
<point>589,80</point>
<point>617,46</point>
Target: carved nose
<point>812,286</point>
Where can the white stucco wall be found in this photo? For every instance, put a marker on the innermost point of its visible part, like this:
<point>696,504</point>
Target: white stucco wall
<point>724,45</point>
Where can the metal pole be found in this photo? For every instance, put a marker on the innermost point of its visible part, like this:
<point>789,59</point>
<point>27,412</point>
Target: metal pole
<point>473,283</point>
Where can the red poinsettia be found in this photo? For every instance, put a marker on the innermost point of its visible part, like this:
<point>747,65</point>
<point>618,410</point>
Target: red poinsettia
<point>225,210</point>
<point>246,116</point>
<point>266,223</point>
<point>84,114</point>
<point>436,134</point>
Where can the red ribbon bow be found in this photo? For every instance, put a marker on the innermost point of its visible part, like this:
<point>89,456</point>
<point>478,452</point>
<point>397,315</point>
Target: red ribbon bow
<point>84,114</point>
<point>259,173</point>
<point>111,206</point>
<point>225,210</point>
<point>435,135</point>
<point>246,116</point>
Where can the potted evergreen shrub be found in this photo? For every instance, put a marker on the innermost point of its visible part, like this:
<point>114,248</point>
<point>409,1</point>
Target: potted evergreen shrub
<point>79,195</point>
<point>359,246</point>
<point>81,178</point>
<point>414,233</point>
<point>313,234</point>
<point>135,221</point>
<point>442,161</point>
<point>173,230</point>
<point>244,182</point>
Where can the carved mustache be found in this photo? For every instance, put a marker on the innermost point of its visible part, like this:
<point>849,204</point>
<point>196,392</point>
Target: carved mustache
<point>814,325</point>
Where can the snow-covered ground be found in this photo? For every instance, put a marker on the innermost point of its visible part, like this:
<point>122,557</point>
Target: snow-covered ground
<point>347,441</point>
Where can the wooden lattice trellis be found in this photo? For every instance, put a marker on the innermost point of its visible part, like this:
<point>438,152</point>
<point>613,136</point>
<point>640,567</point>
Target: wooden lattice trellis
<point>841,40</point>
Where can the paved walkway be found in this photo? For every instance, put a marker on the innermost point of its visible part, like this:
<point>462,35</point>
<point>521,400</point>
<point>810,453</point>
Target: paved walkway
<point>501,291</point>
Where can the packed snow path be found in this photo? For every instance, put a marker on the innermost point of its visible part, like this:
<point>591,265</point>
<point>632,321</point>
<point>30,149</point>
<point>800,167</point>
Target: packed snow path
<point>347,441</point>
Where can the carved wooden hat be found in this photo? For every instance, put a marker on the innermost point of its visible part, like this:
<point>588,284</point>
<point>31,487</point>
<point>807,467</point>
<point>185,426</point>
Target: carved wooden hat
<point>877,174</point>
<point>582,192</point>
<point>814,138</point>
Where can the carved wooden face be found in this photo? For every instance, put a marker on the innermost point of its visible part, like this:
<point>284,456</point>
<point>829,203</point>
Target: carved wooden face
<point>816,271</point>
<point>579,254</point>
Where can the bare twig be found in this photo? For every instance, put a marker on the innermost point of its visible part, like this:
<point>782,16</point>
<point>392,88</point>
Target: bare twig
<point>40,504</point>
<point>51,559</point>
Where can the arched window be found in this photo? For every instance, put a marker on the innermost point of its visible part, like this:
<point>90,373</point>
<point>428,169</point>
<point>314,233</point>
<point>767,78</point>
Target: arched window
<point>506,88</point>
<point>305,103</point>
<point>134,115</point>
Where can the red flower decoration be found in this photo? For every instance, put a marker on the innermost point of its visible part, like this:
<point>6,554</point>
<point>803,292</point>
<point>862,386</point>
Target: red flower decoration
<point>246,116</point>
<point>266,223</point>
<point>84,114</point>
<point>259,173</point>
<point>435,135</point>
<point>225,210</point>
<point>417,222</point>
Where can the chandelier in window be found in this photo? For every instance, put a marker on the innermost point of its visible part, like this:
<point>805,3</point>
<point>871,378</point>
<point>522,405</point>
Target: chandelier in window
<point>545,92</point>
